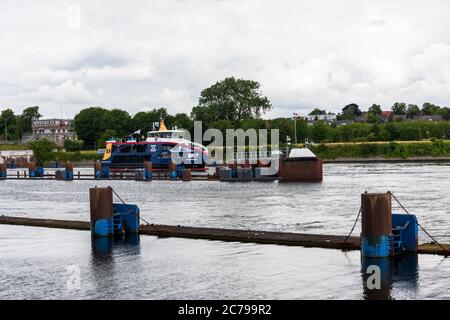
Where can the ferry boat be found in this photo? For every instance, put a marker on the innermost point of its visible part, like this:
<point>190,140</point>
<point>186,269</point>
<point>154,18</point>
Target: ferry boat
<point>160,147</point>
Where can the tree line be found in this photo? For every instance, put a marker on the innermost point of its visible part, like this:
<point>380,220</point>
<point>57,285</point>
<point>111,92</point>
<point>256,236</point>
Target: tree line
<point>13,126</point>
<point>237,103</point>
<point>230,103</point>
<point>410,111</point>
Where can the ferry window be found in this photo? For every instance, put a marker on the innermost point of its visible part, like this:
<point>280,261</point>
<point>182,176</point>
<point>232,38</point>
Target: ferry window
<point>166,147</point>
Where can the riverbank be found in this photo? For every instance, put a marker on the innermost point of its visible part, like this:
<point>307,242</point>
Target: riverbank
<point>79,157</point>
<point>386,160</point>
<point>436,150</point>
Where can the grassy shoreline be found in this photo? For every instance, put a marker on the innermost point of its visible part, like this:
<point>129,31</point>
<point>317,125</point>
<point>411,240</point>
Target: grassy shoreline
<point>377,151</point>
<point>387,160</point>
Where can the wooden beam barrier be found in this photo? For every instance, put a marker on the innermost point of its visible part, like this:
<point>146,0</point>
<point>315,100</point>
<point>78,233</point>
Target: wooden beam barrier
<point>230,235</point>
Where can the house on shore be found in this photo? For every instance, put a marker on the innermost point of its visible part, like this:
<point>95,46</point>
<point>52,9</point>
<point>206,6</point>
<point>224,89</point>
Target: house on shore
<point>386,116</point>
<point>431,118</point>
<point>56,130</point>
<point>327,118</point>
<point>399,117</point>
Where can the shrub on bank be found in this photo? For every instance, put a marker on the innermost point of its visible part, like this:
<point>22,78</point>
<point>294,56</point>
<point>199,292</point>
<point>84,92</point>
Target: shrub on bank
<point>73,145</point>
<point>76,156</point>
<point>436,148</point>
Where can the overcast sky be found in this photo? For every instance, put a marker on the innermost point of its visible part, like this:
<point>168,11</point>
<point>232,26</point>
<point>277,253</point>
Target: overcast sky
<point>138,55</point>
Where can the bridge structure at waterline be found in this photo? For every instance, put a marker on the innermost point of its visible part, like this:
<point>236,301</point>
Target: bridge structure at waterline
<point>229,235</point>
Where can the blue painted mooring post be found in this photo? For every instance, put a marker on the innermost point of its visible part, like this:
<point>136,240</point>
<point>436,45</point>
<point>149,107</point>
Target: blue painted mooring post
<point>405,233</point>
<point>376,230</point>
<point>101,204</point>
<point>128,215</point>
<point>68,172</point>
<point>101,171</point>
<point>32,169</point>
<point>35,172</point>
<point>148,167</point>
<point>3,172</point>
<point>97,169</point>
<point>173,171</point>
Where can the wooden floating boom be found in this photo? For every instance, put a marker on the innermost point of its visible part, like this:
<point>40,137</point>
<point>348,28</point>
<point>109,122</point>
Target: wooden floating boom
<point>247,236</point>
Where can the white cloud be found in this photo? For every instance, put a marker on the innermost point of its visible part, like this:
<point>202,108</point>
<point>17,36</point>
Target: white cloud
<point>145,54</point>
<point>68,92</point>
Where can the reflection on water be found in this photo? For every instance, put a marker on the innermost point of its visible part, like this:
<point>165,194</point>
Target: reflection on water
<point>34,261</point>
<point>102,247</point>
<point>103,260</point>
<point>400,270</point>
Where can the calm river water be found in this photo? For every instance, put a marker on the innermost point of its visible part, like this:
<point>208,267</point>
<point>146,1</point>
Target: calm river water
<point>38,263</point>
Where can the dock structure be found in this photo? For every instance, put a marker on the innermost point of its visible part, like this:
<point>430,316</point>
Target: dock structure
<point>124,175</point>
<point>230,235</point>
<point>301,166</point>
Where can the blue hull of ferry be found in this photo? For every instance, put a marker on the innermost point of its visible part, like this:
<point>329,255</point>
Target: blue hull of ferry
<point>133,155</point>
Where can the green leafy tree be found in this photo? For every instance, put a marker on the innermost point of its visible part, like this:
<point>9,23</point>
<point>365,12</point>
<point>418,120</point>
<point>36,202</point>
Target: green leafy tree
<point>285,127</point>
<point>43,150</point>
<point>392,130</point>
<point>73,145</point>
<point>252,124</point>
<point>8,125</point>
<point>373,118</point>
<point>24,121</point>
<point>181,121</point>
<point>117,120</point>
<point>351,111</point>
<point>320,131</point>
<point>374,113</point>
<point>410,130</point>
<point>429,109</point>
<point>231,99</point>
<point>222,125</point>
<point>89,124</point>
<point>317,111</point>
<point>444,112</point>
<point>106,135</point>
<point>205,115</point>
<point>302,130</point>
<point>412,111</point>
<point>375,109</point>
<point>353,132</point>
<point>399,108</point>
<point>144,120</point>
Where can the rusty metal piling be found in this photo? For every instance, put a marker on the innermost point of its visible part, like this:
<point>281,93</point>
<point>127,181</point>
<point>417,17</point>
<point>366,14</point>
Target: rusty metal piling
<point>376,228</point>
<point>3,172</point>
<point>187,175</point>
<point>172,170</point>
<point>101,206</point>
<point>148,170</point>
